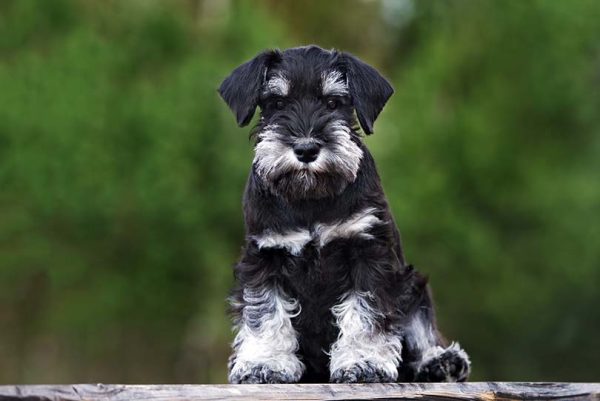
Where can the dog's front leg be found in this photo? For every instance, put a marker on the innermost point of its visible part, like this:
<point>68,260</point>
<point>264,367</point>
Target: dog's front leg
<point>364,351</point>
<point>369,344</point>
<point>264,349</point>
<point>265,345</point>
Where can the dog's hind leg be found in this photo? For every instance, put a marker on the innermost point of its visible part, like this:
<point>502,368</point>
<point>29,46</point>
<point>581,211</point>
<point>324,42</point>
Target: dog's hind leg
<point>426,354</point>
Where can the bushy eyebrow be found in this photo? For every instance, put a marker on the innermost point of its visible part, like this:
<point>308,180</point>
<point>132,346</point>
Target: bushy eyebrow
<point>333,83</point>
<point>277,85</point>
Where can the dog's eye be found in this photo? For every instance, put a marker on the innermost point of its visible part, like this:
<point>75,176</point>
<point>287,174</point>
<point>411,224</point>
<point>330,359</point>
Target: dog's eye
<point>332,104</point>
<point>280,104</point>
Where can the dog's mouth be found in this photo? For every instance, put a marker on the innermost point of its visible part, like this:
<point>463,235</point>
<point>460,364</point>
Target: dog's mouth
<point>305,184</point>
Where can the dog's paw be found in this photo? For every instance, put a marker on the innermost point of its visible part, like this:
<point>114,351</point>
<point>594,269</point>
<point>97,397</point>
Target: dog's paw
<point>364,373</point>
<point>261,374</point>
<point>444,365</point>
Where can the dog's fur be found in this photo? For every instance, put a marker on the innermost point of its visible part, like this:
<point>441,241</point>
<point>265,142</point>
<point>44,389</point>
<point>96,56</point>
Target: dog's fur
<point>323,291</point>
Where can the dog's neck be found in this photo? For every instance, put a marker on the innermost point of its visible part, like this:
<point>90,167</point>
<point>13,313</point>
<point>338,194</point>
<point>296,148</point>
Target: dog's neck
<point>266,210</point>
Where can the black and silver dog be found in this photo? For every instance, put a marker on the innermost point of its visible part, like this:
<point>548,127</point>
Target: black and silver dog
<point>323,290</point>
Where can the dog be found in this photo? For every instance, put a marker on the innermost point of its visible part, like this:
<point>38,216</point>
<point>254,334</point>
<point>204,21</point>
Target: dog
<point>323,292</point>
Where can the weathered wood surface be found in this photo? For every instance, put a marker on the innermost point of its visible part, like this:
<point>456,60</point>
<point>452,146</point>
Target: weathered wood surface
<point>484,391</point>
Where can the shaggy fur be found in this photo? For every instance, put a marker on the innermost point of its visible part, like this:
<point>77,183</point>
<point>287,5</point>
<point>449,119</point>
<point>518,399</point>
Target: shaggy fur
<point>323,292</point>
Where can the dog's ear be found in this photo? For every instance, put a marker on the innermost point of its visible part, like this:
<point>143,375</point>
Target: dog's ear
<point>241,89</point>
<point>369,90</point>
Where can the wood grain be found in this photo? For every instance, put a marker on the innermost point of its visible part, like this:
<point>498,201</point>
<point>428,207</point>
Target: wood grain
<point>484,391</point>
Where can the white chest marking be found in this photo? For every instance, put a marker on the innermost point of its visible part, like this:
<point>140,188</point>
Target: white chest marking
<point>294,241</point>
<point>357,225</point>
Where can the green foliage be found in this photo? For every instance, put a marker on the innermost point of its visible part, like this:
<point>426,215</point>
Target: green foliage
<point>121,173</point>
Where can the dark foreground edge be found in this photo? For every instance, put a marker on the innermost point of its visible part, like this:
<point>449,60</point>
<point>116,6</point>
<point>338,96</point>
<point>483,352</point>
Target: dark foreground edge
<point>410,391</point>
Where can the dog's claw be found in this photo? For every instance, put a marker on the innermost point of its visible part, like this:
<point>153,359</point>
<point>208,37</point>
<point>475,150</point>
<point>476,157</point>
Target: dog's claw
<point>262,374</point>
<point>364,373</point>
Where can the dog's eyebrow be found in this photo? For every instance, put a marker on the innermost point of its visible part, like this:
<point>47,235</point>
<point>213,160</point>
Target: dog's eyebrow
<point>333,83</point>
<point>277,85</point>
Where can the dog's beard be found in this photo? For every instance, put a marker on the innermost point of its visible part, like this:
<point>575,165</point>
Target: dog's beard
<point>335,167</point>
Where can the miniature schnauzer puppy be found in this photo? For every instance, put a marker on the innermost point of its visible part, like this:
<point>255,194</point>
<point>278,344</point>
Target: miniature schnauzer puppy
<point>323,292</point>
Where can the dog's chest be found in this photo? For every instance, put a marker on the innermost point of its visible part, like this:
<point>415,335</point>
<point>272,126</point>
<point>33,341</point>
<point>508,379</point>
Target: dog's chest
<point>315,278</point>
<point>317,269</point>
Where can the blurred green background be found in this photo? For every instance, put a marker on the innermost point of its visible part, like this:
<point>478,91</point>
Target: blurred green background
<point>121,175</point>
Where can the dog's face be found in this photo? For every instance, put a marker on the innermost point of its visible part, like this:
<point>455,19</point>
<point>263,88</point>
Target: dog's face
<point>307,144</point>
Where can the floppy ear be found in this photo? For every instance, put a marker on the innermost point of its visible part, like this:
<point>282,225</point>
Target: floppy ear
<point>369,90</point>
<point>241,89</point>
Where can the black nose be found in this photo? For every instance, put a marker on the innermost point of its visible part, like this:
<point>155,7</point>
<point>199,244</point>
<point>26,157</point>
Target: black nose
<point>306,152</point>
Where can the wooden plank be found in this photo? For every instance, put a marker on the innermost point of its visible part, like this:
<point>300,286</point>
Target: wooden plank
<point>483,391</point>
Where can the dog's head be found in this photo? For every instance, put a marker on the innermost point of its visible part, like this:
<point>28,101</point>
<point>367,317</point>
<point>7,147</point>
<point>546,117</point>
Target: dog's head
<point>307,142</point>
